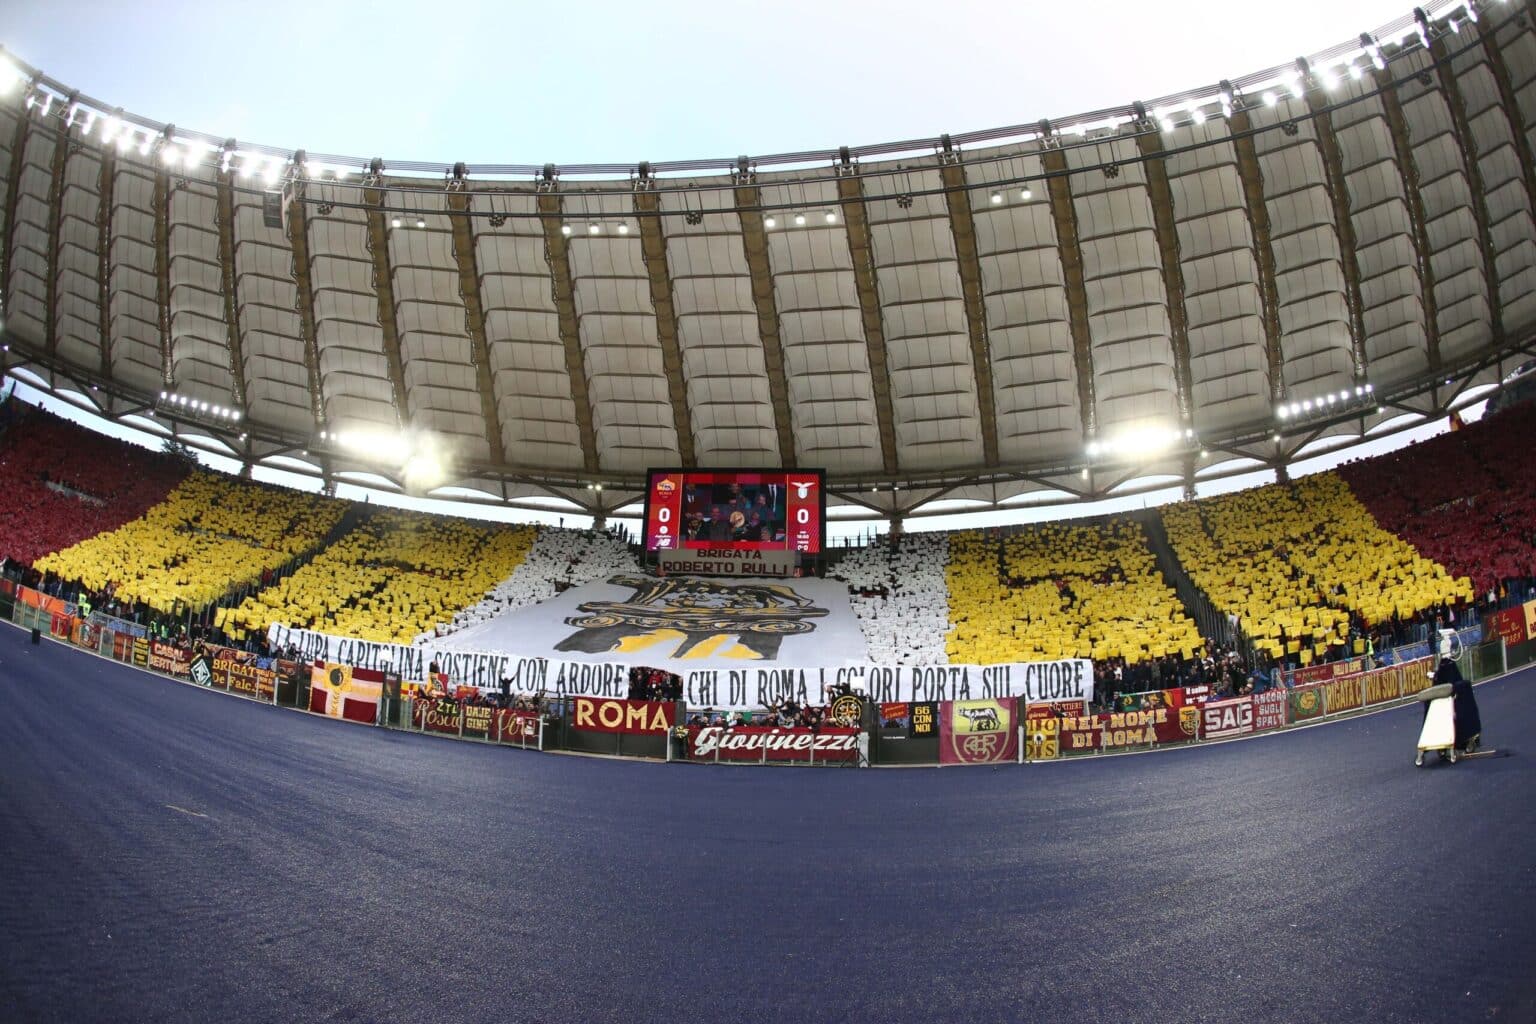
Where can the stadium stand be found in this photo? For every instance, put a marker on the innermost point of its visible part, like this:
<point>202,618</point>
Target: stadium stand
<point>1298,565</point>
<point>557,560</point>
<point>211,534</point>
<point>1062,590</point>
<point>897,590</point>
<point>396,575</point>
<point>63,483</point>
<point>1466,499</point>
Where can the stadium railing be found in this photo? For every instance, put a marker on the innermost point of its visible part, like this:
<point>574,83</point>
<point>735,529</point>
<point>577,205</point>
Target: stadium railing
<point>995,731</point>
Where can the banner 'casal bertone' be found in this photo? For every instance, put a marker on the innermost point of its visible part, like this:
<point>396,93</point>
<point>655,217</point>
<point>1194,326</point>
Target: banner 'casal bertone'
<point>751,686</point>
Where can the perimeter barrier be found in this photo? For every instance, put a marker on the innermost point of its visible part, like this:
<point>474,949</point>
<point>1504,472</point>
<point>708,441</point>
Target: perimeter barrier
<point>855,732</point>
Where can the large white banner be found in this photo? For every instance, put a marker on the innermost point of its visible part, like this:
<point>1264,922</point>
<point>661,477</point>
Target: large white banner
<point>749,687</point>
<point>681,623</point>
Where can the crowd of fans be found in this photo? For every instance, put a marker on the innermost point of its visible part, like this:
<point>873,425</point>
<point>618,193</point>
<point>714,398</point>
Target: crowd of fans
<point>63,483</point>
<point>393,576</point>
<point>654,684</point>
<point>1466,499</point>
<point>1332,566</point>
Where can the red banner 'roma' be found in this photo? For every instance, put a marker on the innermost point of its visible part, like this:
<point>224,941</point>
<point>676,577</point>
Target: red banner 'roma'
<point>637,717</point>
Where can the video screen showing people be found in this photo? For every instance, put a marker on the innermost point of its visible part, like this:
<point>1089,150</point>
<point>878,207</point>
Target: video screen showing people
<point>733,512</point>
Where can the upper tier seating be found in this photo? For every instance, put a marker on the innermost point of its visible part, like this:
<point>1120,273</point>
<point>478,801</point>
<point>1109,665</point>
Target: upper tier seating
<point>1466,499</point>
<point>211,534</point>
<point>558,559</point>
<point>394,576</point>
<point>1293,561</point>
<point>1060,590</point>
<point>897,591</point>
<point>63,483</point>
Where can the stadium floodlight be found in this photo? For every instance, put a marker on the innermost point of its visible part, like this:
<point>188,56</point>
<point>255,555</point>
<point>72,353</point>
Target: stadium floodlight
<point>769,222</point>
<point>1197,114</point>
<point>1270,99</point>
<point>9,76</point>
<point>421,222</point>
<point>395,222</point>
<point>594,229</point>
<point>800,220</point>
<point>831,217</point>
<point>623,229</point>
<point>1025,193</point>
<point>565,229</point>
<point>274,170</point>
<point>997,197</point>
<point>1283,411</point>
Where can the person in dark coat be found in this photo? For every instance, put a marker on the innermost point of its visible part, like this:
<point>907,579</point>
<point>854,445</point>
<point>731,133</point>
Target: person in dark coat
<point>1469,724</point>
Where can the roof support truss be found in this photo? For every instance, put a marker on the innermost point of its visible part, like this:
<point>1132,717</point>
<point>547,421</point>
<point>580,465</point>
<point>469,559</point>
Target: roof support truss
<point>298,240</point>
<point>12,196</point>
<point>474,317</point>
<point>225,216</point>
<point>963,226</point>
<point>653,247</point>
<point>104,187</point>
<point>850,192</point>
<point>755,241</point>
<point>1167,234</point>
<point>62,142</point>
<point>162,216</point>
<point>1462,130</point>
<point>384,288</point>
<point>1338,194</point>
<point>1402,149</point>
<point>1507,101</point>
<point>1264,254</point>
<point>557,252</point>
<point>1059,186</point>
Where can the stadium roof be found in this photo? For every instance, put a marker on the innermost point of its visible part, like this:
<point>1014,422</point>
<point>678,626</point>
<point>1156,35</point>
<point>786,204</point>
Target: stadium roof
<point>1071,308</point>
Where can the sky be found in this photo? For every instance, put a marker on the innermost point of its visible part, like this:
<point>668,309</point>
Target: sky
<point>609,81</point>
<point>618,82</point>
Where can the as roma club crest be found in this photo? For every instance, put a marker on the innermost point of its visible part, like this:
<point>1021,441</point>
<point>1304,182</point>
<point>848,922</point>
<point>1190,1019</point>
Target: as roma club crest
<point>980,732</point>
<point>699,616</point>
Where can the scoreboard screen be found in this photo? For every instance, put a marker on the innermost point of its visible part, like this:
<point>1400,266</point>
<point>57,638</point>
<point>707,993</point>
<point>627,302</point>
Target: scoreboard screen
<point>749,510</point>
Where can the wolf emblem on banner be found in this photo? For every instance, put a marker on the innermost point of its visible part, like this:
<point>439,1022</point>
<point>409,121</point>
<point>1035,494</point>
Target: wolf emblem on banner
<point>699,616</point>
<point>976,732</point>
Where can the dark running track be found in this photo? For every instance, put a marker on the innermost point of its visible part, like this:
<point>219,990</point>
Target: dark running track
<point>171,855</point>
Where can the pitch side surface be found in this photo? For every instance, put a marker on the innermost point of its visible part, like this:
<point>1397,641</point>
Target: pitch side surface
<point>172,855</point>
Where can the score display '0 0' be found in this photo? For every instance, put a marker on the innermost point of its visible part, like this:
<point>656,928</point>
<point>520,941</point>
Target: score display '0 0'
<point>747,510</point>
